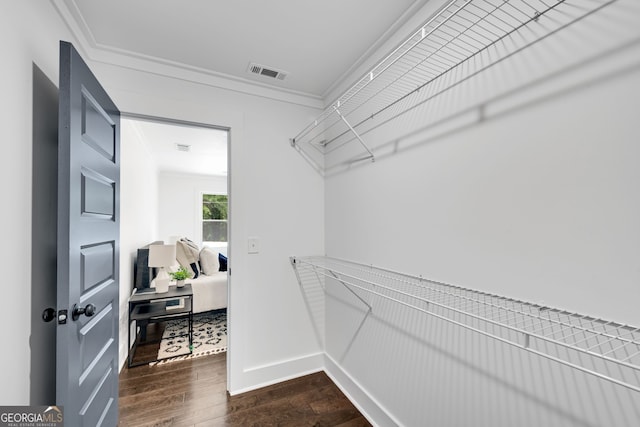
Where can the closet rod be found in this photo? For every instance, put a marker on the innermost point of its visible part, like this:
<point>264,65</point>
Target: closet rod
<point>357,277</point>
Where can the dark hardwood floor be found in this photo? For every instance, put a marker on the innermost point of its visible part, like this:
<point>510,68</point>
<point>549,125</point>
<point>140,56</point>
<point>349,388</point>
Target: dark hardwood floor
<point>193,393</point>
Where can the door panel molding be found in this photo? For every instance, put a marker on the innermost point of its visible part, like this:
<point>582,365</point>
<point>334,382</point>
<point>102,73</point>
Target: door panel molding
<point>88,246</point>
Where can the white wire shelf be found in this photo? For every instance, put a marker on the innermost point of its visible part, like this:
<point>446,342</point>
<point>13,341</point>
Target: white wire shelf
<point>443,53</point>
<point>605,349</point>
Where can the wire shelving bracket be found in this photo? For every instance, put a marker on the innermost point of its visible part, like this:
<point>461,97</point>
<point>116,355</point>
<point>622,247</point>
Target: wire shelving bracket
<point>460,31</point>
<point>604,349</point>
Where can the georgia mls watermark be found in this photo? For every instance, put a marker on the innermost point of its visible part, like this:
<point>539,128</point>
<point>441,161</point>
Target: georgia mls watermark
<point>31,416</point>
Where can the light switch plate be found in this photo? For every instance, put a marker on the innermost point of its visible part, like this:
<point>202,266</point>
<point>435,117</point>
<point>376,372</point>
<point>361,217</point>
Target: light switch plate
<point>254,245</point>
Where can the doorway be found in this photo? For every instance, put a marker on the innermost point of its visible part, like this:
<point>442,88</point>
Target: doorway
<point>167,166</point>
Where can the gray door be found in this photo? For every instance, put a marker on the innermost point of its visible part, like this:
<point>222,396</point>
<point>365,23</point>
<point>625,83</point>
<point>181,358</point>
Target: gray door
<point>88,246</point>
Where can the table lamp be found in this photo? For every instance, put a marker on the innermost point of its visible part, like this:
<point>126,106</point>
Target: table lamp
<point>162,257</point>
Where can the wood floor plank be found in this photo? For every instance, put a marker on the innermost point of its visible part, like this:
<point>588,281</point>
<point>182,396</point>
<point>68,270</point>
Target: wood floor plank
<point>192,393</point>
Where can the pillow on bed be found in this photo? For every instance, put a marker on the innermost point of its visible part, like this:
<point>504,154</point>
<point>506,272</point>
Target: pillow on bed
<point>209,261</point>
<point>188,254</point>
<point>222,260</point>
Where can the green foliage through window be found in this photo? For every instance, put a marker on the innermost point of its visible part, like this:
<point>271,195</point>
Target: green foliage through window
<point>215,208</point>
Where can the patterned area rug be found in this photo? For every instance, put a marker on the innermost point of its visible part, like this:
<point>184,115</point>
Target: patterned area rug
<point>209,337</point>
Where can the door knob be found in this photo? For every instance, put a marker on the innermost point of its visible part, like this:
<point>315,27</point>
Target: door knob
<point>88,311</point>
<point>49,314</point>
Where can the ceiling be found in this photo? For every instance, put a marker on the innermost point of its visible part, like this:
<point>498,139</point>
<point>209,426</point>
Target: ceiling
<point>316,43</point>
<point>207,153</point>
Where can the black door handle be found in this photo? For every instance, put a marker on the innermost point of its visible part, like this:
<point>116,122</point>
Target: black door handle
<point>49,314</point>
<point>88,311</point>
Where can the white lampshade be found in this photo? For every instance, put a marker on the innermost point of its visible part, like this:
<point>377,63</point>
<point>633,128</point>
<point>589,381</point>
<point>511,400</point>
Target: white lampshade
<point>162,255</point>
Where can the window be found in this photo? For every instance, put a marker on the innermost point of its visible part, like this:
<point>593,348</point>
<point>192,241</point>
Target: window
<point>214,217</point>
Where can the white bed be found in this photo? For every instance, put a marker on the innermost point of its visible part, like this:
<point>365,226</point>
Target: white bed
<point>209,292</point>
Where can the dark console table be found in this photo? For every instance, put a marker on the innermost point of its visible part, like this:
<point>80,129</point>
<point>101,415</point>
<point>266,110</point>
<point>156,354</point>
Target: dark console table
<point>151,307</point>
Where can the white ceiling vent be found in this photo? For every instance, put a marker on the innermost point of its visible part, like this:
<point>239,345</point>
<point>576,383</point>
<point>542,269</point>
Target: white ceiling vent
<point>266,71</point>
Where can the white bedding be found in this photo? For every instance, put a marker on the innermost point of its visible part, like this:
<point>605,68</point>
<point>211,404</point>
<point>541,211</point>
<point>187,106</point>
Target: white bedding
<point>209,292</point>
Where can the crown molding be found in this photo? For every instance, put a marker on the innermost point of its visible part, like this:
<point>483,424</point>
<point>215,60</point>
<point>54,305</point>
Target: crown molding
<point>95,52</point>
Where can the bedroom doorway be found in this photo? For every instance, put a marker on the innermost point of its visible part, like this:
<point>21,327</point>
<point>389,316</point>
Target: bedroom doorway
<point>167,167</point>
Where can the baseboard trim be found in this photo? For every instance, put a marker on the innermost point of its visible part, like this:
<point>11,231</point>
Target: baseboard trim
<point>256,377</point>
<point>369,407</point>
<point>277,372</point>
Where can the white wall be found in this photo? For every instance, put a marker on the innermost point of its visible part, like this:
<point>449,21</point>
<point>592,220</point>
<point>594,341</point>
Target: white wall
<point>537,202</point>
<point>278,199</point>
<point>180,203</point>
<point>281,205</point>
<point>34,39</point>
<point>139,219</point>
